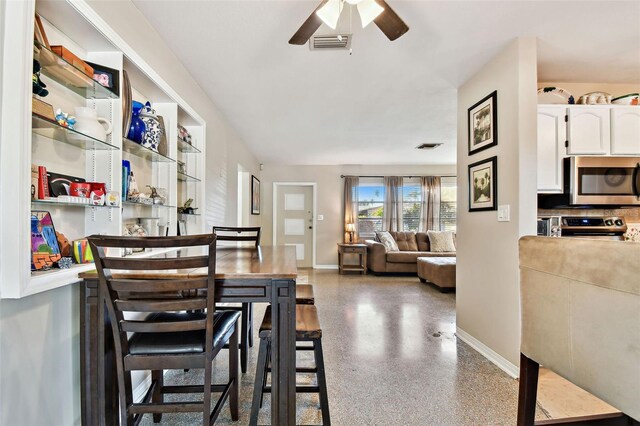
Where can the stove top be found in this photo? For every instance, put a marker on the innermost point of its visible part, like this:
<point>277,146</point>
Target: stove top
<point>593,226</point>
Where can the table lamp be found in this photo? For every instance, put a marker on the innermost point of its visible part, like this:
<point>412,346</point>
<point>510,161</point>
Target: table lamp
<point>350,228</point>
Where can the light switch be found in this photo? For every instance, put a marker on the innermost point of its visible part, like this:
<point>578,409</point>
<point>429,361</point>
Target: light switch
<point>503,213</point>
<point>320,217</point>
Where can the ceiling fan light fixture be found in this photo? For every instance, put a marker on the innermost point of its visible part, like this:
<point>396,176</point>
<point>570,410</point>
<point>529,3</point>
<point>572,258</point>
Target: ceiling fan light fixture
<point>329,13</point>
<point>368,11</point>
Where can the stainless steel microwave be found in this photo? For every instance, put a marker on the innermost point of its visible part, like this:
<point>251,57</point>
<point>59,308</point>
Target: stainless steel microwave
<point>604,180</point>
<point>597,181</point>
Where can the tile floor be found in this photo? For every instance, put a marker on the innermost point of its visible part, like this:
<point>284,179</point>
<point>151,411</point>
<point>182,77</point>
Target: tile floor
<point>392,358</point>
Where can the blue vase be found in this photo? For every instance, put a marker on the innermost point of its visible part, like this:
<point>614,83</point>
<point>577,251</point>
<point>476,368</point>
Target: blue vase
<point>137,127</point>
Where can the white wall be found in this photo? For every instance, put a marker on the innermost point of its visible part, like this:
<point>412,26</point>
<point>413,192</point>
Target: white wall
<point>487,289</point>
<point>330,187</point>
<point>39,335</point>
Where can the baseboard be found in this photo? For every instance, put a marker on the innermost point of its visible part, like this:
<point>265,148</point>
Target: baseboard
<point>484,350</point>
<point>333,267</point>
<point>140,391</point>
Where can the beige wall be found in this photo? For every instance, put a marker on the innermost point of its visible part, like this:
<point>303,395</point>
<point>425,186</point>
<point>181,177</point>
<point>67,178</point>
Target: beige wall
<point>487,295</point>
<point>579,89</point>
<point>329,187</point>
<point>39,335</point>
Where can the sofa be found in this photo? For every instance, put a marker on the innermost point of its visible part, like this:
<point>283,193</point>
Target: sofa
<point>411,246</point>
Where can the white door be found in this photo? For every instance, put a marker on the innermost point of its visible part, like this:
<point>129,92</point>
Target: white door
<point>294,221</point>
<point>551,149</point>
<point>588,130</point>
<point>625,130</point>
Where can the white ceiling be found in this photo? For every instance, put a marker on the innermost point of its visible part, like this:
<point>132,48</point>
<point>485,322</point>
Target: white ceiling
<point>296,106</point>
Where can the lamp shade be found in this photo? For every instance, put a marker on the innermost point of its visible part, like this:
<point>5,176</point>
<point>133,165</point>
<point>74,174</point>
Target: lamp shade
<point>350,227</point>
<point>368,11</point>
<point>329,13</point>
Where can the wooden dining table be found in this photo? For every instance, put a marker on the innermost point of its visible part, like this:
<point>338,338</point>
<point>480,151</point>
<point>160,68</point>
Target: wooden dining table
<point>264,274</point>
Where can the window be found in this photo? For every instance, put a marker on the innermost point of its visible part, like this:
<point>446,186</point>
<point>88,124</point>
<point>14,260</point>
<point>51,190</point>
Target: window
<point>448,194</point>
<point>371,205</point>
<point>411,200</point>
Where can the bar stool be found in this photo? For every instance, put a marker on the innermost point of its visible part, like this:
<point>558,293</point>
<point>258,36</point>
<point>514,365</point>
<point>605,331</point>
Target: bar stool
<point>307,330</point>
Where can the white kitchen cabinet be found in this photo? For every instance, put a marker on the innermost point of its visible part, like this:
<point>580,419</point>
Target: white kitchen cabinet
<point>588,130</point>
<point>625,130</point>
<point>551,147</point>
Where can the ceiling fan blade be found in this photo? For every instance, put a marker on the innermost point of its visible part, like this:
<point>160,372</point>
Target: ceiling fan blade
<point>389,22</point>
<point>309,27</point>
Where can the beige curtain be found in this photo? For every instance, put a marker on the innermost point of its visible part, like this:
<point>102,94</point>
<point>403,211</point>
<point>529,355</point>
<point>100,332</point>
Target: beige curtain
<point>430,208</point>
<point>392,215</point>
<point>350,205</point>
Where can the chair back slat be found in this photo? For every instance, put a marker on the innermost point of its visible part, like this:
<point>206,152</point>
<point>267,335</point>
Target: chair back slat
<point>136,285</point>
<point>151,290</point>
<point>246,233</point>
<point>161,305</point>
<point>155,264</point>
<point>150,242</point>
<point>162,327</point>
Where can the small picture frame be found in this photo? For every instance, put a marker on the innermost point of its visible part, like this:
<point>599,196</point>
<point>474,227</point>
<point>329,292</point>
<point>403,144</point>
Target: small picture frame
<point>483,185</point>
<point>255,195</point>
<point>483,123</point>
<point>107,77</point>
<point>42,109</point>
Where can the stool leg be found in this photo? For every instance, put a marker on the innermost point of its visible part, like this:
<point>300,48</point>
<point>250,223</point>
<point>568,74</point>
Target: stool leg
<point>528,391</point>
<point>259,384</point>
<point>266,371</point>
<point>322,382</point>
<point>157,397</point>
<point>233,374</point>
<point>250,319</point>
<point>244,338</point>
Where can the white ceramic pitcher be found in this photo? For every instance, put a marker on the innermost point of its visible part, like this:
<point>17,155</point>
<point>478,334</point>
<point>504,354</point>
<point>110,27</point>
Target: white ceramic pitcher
<point>88,123</point>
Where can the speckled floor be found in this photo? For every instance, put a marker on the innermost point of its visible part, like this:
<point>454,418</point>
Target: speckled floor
<point>391,358</point>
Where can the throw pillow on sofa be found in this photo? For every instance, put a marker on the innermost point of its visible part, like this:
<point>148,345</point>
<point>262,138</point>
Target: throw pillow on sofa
<point>441,241</point>
<point>389,243</point>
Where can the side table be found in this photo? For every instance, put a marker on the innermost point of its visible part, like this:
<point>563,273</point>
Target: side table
<point>360,250</point>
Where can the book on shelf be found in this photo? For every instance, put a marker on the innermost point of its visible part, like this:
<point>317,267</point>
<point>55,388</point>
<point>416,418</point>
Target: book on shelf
<point>43,183</point>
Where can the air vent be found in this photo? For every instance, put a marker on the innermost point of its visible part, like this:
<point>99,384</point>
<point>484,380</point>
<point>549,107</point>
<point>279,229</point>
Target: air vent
<point>330,41</point>
<point>428,146</point>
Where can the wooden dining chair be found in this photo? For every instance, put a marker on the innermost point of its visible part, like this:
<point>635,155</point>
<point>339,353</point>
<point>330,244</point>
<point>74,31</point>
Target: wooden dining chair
<point>172,321</point>
<point>251,234</point>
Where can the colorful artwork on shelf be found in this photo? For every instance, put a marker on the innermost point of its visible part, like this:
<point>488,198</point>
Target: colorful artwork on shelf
<point>82,251</point>
<point>45,250</point>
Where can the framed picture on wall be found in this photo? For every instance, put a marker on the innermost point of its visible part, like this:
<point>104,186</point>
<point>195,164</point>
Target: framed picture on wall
<point>483,185</point>
<point>483,124</point>
<point>255,195</point>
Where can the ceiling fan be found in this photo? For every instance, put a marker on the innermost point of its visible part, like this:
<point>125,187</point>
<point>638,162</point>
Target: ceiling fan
<point>377,11</point>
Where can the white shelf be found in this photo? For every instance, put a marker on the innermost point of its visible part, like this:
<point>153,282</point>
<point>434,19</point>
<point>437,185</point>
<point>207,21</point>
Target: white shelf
<point>75,25</point>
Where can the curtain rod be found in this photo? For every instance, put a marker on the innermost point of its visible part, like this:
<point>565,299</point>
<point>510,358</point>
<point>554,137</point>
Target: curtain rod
<point>369,176</point>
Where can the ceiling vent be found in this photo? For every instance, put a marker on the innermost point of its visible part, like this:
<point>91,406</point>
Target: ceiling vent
<point>330,41</point>
<point>428,146</point>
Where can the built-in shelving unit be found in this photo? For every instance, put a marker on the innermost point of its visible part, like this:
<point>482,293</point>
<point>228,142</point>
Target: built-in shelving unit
<point>42,141</point>
<point>187,148</point>
<point>55,203</point>
<point>57,133</point>
<point>69,76</point>
<point>145,153</point>
<point>183,177</point>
